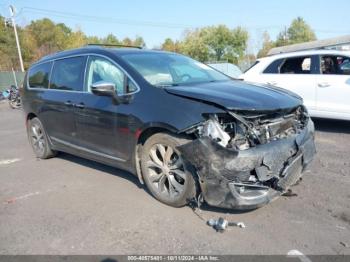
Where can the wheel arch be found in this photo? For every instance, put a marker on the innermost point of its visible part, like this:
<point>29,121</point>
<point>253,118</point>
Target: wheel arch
<point>161,136</point>
<point>146,132</point>
<point>30,116</point>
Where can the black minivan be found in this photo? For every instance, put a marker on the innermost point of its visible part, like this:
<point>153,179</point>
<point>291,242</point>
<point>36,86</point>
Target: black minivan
<point>185,129</point>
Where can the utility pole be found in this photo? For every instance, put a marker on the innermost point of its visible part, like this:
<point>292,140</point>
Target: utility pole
<point>285,37</point>
<point>12,12</point>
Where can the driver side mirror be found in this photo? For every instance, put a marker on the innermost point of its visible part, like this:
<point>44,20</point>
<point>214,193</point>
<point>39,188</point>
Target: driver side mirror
<point>103,88</point>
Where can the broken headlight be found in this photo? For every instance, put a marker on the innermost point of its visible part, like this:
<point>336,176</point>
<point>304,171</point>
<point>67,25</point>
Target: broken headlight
<point>225,130</point>
<point>244,130</point>
<point>213,129</point>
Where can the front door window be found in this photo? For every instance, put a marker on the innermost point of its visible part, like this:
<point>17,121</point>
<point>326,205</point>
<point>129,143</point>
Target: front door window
<point>101,69</point>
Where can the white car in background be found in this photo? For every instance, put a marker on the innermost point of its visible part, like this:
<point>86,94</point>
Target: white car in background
<point>320,77</point>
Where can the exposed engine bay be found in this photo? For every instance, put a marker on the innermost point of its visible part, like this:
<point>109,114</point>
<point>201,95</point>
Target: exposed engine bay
<point>238,131</point>
<point>246,159</point>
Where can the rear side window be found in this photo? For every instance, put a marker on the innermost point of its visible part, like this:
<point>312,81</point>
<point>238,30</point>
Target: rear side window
<point>296,65</point>
<point>39,76</point>
<point>68,74</point>
<point>335,65</point>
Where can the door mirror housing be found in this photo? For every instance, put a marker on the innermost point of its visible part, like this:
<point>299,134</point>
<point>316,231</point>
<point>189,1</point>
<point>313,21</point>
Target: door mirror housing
<point>104,88</point>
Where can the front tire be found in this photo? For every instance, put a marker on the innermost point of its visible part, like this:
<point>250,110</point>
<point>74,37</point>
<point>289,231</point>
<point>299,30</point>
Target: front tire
<point>166,175</point>
<point>38,139</point>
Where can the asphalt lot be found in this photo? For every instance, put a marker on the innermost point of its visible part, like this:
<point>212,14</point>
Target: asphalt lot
<point>68,205</point>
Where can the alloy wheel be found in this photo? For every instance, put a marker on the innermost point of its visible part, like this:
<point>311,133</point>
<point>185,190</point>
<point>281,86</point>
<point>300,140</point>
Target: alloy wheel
<point>166,170</point>
<point>38,139</point>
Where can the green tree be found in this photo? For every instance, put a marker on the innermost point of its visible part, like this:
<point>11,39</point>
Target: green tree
<point>218,39</point>
<point>171,45</point>
<point>127,41</point>
<point>298,32</point>
<point>48,35</point>
<point>8,51</point>
<point>64,28</point>
<point>76,39</point>
<point>194,45</point>
<point>93,40</point>
<point>139,42</point>
<point>238,46</point>
<point>42,37</point>
<point>110,39</point>
<point>28,47</point>
<point>266,45</point>
<point>224,42</point>
<point>168,45</point>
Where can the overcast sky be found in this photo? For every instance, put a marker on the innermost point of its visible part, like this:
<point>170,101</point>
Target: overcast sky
<point>155,20</point>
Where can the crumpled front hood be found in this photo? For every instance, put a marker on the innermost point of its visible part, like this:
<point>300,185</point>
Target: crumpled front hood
<point>239,95</point>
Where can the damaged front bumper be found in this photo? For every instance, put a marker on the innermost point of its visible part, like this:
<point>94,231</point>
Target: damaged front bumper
<point>248,179</point>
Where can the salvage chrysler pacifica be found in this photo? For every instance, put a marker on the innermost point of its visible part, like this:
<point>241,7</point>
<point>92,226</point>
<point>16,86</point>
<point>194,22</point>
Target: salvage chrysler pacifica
<point>184,129</point>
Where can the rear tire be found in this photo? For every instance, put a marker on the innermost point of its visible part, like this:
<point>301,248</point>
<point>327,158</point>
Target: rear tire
<point>167,176</point>
<point>39,140</point>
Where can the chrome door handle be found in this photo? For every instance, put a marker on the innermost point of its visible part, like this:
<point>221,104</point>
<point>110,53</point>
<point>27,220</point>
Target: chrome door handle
<point>80,105</point>
<point>324,84</point>
<point>68,103</point>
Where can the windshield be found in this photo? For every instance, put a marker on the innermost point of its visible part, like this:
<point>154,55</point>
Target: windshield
<point>166,69</point>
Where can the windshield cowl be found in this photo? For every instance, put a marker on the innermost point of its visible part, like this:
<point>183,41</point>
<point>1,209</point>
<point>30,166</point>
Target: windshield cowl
<point>189,84</point>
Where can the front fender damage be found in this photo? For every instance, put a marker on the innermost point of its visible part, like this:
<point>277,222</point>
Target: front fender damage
<point>248,179</point>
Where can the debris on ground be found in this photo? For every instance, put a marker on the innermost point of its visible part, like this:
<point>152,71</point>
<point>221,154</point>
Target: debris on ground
<point>221,224</point>
<point>236,224</point>
<point>289,193</point>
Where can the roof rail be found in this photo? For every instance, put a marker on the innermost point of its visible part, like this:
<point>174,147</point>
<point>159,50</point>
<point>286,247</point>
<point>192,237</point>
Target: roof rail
<point>116,45</point>
<point>319,44</point>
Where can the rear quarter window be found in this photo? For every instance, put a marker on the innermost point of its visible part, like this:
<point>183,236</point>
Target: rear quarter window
<point>38,76</point>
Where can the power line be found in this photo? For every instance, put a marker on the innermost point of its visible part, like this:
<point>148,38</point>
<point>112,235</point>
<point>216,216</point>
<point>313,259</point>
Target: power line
<point>101,19</point>
<point>118,21</point>
<point>98,19</point>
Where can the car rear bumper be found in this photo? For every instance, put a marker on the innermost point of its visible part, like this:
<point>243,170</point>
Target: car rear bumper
<point>225,174</point>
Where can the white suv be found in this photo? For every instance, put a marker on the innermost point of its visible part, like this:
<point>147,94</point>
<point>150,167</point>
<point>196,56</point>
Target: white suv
<point>320,77</point>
